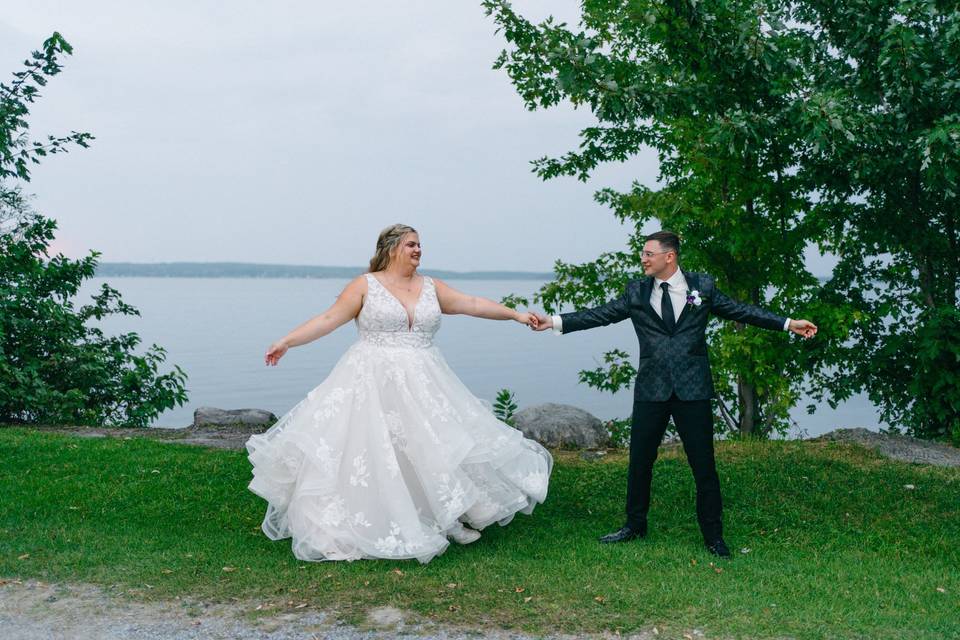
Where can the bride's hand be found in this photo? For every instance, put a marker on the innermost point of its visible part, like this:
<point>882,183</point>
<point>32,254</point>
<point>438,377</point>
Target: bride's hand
<point>528,319</point>
<point>275,352</point>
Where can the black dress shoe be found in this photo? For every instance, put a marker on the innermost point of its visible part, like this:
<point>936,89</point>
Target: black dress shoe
<point>623,535</point>
<point>718,548</point>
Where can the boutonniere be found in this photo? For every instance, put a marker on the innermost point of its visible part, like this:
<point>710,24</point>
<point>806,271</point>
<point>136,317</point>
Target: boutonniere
<point>693,297</point>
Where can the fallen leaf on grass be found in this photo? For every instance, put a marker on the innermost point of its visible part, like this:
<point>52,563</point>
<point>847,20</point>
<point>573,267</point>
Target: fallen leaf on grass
<point>745,550</point>
<point>166,570</point>
<point>519,589</point>
<point>229,569</point>
<point>23,557</point>
<point>941,590</point>
<point>398,572</point>
<point>301,605</point>
<point>600,599</point>
<point>528,599</point>
<point>909,487</point>
<point>452,585</point>
<point>453,607</point>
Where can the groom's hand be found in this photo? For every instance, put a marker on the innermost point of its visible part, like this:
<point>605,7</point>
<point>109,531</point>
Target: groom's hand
<point>803,328</point>
<point>543,322</point>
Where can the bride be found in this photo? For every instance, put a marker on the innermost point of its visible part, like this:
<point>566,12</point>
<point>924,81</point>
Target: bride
<point>391,455</point>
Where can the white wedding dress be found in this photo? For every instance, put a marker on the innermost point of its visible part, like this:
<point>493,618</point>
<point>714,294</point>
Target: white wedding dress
<point>389,454</point>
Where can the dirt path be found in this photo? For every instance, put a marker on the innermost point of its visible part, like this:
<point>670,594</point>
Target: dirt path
<point>33,610</point>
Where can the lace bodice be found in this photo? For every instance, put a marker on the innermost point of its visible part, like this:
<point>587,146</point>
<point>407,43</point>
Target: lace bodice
<point>383,320</point>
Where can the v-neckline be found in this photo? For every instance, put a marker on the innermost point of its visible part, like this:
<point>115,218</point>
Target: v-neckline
<point>411,319</point>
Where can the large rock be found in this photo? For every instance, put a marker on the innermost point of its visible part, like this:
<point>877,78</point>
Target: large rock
<point>562,425</point>
<point>213,417</point>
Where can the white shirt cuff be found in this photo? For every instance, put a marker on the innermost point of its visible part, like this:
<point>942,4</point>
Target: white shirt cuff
<point>786,325</point>
<point>557,325</point>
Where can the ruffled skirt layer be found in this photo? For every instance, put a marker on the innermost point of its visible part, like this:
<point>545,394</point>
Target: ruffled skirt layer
<point>386,456</point>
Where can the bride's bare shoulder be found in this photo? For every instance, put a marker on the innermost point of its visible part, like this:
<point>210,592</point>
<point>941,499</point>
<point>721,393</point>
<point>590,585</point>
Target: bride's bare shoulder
<point>356,287</point>
<point>440,284</point>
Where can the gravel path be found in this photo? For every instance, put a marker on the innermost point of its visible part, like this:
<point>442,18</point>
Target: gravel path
<point>32,610</point>
<point>898,447</point>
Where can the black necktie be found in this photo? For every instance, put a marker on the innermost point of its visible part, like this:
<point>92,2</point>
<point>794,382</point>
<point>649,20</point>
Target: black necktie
<point>666,307</point>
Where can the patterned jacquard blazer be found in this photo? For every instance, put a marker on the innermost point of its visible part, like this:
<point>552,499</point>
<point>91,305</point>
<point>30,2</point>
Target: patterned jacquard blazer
<point>672,363</point>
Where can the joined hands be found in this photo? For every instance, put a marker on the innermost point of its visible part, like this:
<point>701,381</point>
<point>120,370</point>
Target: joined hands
<point>529,319</point>
<point>543,322</point>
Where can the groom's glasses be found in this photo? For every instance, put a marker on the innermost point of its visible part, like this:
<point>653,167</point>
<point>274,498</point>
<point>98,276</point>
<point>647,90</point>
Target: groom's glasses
<point>650,254</point>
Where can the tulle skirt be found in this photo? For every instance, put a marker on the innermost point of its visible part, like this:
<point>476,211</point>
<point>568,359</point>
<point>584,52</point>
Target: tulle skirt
<point>387,456</point>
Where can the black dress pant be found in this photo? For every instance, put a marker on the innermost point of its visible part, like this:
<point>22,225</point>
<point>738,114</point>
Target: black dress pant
<point>694,422</point>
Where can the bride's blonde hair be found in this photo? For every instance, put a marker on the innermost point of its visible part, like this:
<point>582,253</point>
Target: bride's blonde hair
<point>387,242</point>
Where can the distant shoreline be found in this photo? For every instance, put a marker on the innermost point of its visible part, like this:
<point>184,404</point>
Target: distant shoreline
<point>253,270</point>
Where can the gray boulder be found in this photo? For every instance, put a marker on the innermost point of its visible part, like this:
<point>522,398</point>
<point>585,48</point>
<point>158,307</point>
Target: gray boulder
<point>561,425</point>
<point>213,417</point>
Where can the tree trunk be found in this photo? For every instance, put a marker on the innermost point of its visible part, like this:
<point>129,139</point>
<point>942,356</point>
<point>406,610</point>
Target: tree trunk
<point>952,280</point>
<point>747,393</point>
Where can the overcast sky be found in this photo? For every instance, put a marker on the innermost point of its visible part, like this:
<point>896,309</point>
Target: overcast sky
<point>293,132</point>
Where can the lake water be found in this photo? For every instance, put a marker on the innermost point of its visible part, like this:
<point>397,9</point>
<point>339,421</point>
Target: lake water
<point>217,330</point>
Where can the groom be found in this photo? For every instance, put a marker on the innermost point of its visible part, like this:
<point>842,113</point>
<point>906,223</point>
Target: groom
<point>669,310</point>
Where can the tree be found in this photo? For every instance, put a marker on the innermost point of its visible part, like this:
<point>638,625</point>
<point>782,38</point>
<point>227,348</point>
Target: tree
<point>717,88</point>
<point>53,367</point>
<point>887,202</point>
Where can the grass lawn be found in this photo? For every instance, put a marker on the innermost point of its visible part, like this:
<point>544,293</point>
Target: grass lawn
<point>828,541</point>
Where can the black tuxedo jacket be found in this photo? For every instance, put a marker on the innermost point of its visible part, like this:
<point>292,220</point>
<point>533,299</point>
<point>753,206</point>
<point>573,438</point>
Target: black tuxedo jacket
<point>676,363</point>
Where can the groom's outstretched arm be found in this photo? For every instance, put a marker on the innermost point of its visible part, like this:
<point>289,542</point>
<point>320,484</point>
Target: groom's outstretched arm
<point>729,309</point>
<point>613,311</point>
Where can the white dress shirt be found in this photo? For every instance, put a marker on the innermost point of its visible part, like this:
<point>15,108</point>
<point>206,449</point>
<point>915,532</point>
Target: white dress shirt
<point>676,285</point>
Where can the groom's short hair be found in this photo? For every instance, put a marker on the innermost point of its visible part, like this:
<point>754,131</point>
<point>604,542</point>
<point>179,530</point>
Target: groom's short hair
<point>667,239</point>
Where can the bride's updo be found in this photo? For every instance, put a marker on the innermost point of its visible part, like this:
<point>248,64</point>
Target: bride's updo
<point>387,242</point>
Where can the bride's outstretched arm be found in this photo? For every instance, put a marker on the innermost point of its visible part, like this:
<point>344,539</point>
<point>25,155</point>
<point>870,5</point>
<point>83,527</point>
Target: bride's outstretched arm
<point>455,302</point>
<point>346,308</point>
